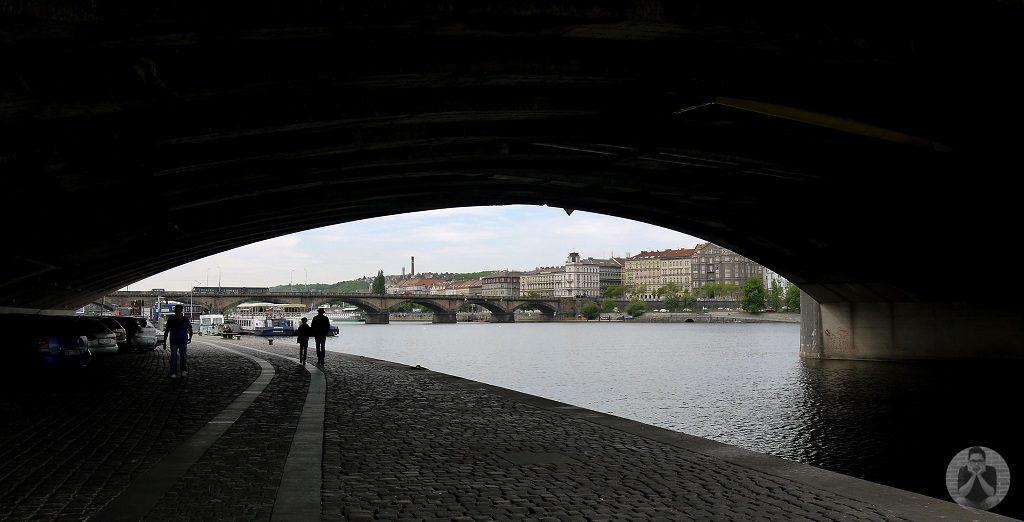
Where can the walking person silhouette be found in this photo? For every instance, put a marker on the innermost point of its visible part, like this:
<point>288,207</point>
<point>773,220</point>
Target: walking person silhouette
<point>321,326</point>
<point>303,334</point>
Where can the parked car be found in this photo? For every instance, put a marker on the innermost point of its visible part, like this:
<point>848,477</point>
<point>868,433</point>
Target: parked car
<point>102,341</point>
<point>119,330</point>
<point>43,341</point>
<point>141,334</point>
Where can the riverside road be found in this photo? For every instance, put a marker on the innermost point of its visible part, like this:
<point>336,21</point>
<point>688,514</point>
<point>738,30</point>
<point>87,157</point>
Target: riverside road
<point>252,435</point>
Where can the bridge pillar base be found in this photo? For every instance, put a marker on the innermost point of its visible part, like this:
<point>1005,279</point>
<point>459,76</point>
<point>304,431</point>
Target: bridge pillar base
<point>910,331</point>
<point>500,317</point>
<point>444,318</point>
<point>377,317</point>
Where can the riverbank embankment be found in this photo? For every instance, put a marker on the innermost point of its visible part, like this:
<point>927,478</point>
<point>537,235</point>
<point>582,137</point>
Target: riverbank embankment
<point>718,317</point>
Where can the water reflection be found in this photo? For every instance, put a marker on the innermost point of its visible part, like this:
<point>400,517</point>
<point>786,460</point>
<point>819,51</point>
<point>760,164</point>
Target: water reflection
<point>901,423</point>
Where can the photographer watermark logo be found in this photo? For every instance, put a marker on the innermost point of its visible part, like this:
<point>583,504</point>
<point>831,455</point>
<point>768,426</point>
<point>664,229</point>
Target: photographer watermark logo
<point>978,478</point>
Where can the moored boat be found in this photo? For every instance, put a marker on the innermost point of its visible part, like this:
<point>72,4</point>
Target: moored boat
<point>268,319</point>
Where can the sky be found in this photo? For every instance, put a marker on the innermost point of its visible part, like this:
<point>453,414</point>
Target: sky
<point>471,239</point>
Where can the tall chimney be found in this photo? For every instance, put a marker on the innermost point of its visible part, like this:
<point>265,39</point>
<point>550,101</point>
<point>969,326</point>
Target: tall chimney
<point>412,269</point>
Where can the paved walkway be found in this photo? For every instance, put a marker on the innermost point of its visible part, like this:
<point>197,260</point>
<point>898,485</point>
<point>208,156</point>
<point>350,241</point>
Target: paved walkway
<point>238,439</point>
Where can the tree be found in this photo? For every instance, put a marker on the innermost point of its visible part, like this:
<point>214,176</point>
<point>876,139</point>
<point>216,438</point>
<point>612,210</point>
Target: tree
<point>753,295</point>
<point>607,305</point>
<point>775,296</point>
<point>687,301</point>
<point>378,284</point>
<point>670,289</point>
<point>711,289</point>
<point>403,307</point>
<point>636,308</point>
<point>793,298</point>
<point>591,310</point>
<point>673,302</point>
<point>614,291</point>
<point>731,289</point>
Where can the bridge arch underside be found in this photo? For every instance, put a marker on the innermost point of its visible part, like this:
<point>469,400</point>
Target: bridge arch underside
<point>424,301</point>
<point>490,306</point>
<point>544,309</point>
<point>840,151</point>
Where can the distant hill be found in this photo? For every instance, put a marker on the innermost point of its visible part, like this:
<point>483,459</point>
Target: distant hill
<point>359,286</point>
<point>347,287</point>
<point>467,276</point>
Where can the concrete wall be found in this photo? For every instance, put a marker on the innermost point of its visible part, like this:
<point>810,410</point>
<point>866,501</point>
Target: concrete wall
<point>910,331</point>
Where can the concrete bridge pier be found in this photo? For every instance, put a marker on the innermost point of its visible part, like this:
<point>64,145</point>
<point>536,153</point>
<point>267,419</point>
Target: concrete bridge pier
<point>503,317</point>
<point>444,318</point>
<point>377,317</point>
<point>910,331</point>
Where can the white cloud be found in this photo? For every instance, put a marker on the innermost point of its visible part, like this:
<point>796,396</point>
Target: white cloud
<point>448,240</point>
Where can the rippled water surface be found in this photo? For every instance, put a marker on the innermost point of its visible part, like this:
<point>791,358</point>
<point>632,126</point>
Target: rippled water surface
<point>742,384</point>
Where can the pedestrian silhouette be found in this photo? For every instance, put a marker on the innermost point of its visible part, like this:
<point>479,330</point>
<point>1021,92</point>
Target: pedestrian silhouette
<point>303,334</point>
<point>321,326</point>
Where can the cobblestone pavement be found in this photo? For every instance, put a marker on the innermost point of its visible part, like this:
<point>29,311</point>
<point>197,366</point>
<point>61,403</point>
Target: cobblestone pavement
<point>402,443</point>
<point>399,443</point>
<point>70,442</point>
<point>237,478</point>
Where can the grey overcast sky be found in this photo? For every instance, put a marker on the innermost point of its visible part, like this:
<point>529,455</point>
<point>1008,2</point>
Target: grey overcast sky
<point>471,239</point>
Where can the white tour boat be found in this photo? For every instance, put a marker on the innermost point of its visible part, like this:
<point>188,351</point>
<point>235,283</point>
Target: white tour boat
<point>268,318</point>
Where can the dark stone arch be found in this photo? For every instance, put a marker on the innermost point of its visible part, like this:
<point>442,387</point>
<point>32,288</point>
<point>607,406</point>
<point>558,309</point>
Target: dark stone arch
<point>487,305</point>
<point>423,301</point>
<point>545,309</point>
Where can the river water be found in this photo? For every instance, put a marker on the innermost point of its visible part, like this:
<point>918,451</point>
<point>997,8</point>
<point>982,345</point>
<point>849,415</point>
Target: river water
<point>739,383</point>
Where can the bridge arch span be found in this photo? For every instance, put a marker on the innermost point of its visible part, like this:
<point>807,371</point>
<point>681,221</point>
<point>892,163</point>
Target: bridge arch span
<point>544,308</point>
<point>367,305</point>
<point>425,301</point>
<point>490,306</point>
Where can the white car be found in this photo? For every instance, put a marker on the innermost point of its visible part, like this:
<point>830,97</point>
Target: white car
<point>147,337</point>
<point>102,341</point>
<point>142,335</point>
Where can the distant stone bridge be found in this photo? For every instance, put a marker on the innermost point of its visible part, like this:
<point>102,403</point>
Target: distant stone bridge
<point>375,307</point>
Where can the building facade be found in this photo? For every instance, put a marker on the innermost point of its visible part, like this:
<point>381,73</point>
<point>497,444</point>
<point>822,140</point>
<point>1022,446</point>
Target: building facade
<point>771,277</point>
<point>609,272</point>
<point>420,286</point>
<point>540,282</point>
<point>580,278</point>
<point>647,272</point>
<point>713,263</point>
<point>500,284</point>
<point>469,288</point>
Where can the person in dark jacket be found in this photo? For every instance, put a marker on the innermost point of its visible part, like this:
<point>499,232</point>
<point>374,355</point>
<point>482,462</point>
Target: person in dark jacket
<point>303,334</point>
<point>321,326</point>
<point>179,330</point>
